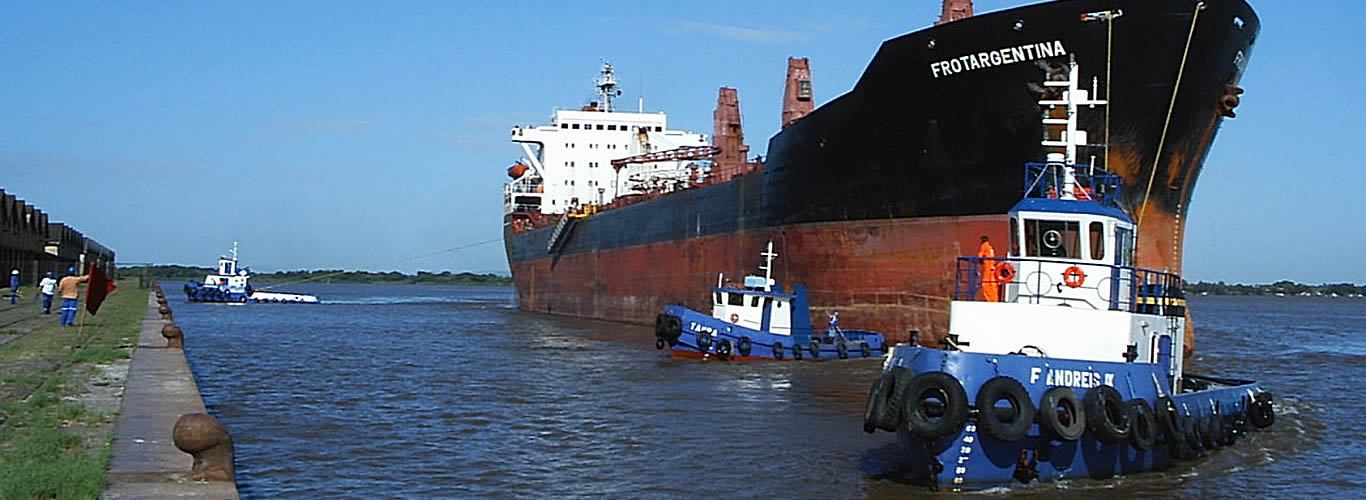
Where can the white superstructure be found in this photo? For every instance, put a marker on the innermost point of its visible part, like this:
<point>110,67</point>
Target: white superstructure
<point>568,164</point>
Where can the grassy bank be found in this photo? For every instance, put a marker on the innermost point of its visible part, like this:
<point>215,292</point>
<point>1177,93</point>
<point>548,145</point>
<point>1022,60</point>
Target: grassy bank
<point>59,395</point>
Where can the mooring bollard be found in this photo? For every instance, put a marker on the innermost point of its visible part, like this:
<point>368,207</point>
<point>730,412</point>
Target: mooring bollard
<point>174,336</point>
<point>207,439</point>
<point>165,312</point>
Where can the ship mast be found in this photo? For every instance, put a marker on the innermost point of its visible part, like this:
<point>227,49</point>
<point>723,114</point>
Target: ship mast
<point>607,86</point>
<point>768,267</point>
<point>955,10</point>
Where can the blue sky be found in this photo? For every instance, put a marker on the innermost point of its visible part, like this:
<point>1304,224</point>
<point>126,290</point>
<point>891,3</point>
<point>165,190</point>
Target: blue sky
<point>357,135</point>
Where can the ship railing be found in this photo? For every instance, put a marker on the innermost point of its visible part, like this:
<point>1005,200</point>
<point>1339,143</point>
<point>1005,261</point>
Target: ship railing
<point>525,185</point>
<point>1048,180</point>
<point>1032,280</point>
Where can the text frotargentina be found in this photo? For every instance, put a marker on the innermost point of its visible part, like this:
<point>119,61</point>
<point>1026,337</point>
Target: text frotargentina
<point>998,57</point>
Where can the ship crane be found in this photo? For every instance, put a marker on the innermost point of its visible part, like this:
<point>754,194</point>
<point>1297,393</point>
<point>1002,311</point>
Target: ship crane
<point>684,153</point>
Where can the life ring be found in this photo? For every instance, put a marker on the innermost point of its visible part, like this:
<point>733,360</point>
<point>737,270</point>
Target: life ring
<point>1106,414</point>
<point>876,407</point>
<point>723,349</point>
<point>1143,426</point>
<point>815,349</point>
<point>703,342</point>
<point>921,393</point>
<point>1005,273</point>
<point>1062,413</point>
<point>744,346</point>
<point>734,318</point>
<point>1004,423</point>
<point>1073,277</point>
<point>842,350</point>
<point>778,350</point>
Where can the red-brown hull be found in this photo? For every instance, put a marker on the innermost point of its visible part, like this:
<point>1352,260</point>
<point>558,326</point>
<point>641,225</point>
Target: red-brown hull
<point>890,276</point>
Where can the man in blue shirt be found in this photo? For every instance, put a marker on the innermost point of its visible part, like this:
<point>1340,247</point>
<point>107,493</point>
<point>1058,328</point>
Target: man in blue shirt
<point>14,287</point>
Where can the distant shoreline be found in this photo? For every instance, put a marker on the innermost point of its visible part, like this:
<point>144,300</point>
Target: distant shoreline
<point>1282,288</point>
<point>189,273</point>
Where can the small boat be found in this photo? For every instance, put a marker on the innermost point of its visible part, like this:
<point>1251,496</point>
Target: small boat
<point>759,321</point>
<point>232,284</point>
<point>1063,360</point>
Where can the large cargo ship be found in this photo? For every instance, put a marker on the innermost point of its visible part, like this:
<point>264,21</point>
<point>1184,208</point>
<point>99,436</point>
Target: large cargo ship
<point>876,193</point>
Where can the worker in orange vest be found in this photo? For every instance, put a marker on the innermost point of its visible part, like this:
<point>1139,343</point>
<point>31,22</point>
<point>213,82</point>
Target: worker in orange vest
<point>991,291</point>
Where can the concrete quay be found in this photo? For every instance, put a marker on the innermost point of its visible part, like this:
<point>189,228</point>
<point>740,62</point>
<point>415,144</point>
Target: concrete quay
<point>146,462</point>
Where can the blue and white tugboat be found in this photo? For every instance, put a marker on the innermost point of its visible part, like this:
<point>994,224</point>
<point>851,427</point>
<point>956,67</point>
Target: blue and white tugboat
<point>759,321</point>
<point>231,284</point>
<point>1062,359</point>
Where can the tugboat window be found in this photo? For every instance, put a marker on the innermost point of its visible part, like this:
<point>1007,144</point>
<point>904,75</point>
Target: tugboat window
<point>737,299</point>
<point>1097,236</point>
<point>1052,238</point>
<point>718,298</point>
<point>1014,236</point>
<point>754,302</point>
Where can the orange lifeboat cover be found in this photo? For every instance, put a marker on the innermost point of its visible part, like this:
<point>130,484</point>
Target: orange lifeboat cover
<point>516,170</point>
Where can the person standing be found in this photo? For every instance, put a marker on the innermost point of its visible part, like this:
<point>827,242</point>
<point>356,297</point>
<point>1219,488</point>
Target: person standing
<point>991,291</point>
<point>14,287</point>
<point>47,287</point>
<point>69,288</point>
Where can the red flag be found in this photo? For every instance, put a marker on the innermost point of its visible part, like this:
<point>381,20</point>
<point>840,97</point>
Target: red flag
<point>100,287</point>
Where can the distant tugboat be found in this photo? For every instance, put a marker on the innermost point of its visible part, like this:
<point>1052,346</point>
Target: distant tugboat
<point>230,284</point>
<point>1062,360</point>
<point>759,322</point>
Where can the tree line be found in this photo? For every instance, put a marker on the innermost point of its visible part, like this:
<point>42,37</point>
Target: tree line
<point>187,273</point>
<point>1285,287</point>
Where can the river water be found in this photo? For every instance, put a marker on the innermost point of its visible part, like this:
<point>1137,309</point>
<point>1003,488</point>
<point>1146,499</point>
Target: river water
<point>424,391</point>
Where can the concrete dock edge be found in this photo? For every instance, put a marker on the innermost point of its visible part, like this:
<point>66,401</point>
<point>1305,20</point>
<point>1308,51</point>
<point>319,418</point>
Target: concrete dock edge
<point>159,389</point>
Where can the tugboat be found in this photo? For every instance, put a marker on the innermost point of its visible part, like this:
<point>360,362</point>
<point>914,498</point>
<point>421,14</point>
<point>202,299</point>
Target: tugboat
<point>759,321</point>
<point>1062,359</point>
<point>231,284</point>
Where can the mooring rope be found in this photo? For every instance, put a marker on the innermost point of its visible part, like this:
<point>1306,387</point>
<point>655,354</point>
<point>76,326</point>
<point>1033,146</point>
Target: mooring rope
<point>1162,141</point>
<point>405,259</point>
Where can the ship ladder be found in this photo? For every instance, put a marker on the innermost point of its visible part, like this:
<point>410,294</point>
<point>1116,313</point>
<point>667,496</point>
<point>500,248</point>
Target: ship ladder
<point>560,234</point>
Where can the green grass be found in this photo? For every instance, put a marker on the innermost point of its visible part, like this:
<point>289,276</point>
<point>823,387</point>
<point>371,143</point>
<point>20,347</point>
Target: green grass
<point>43,454</point>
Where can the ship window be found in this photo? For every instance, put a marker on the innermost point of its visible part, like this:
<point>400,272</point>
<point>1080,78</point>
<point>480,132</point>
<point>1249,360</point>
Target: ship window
<point>574,126</point>
<point>599,126</point>
<point>611,127</point>
<point>717,297</point>
<point>754,302</point>
<point>564,125</point>
<point>1124,246</point>
<point>659,129</point>
<point>737,299</point>
<point>1097,236</point>
<point>1050,238</point>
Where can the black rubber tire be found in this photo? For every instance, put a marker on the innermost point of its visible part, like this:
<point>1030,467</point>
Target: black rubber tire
<point>659,325</point>
<point>1179,447</point>
<point>815,349</point>
<point>796,352</point>
<point>1261,413</point>
<point>1208,430</point>
<point>1021,415</point>
<point>892,415</point>
<point>1190,432</point>
<point>723,349</point>
<point>1142,425</point>
<point>865,349</point>
<point>659,344</point>
<point>842,350</point>
<point>1062,413</point>
<point>673,327</point>
<point>744,346</point>
<point>1168,420</point>
<point>1107,417</point>
<point>937,385</point>
<point>876,406</point>
<point>778,350</point>
<point>1228,436</point>
<point>703,342</point>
